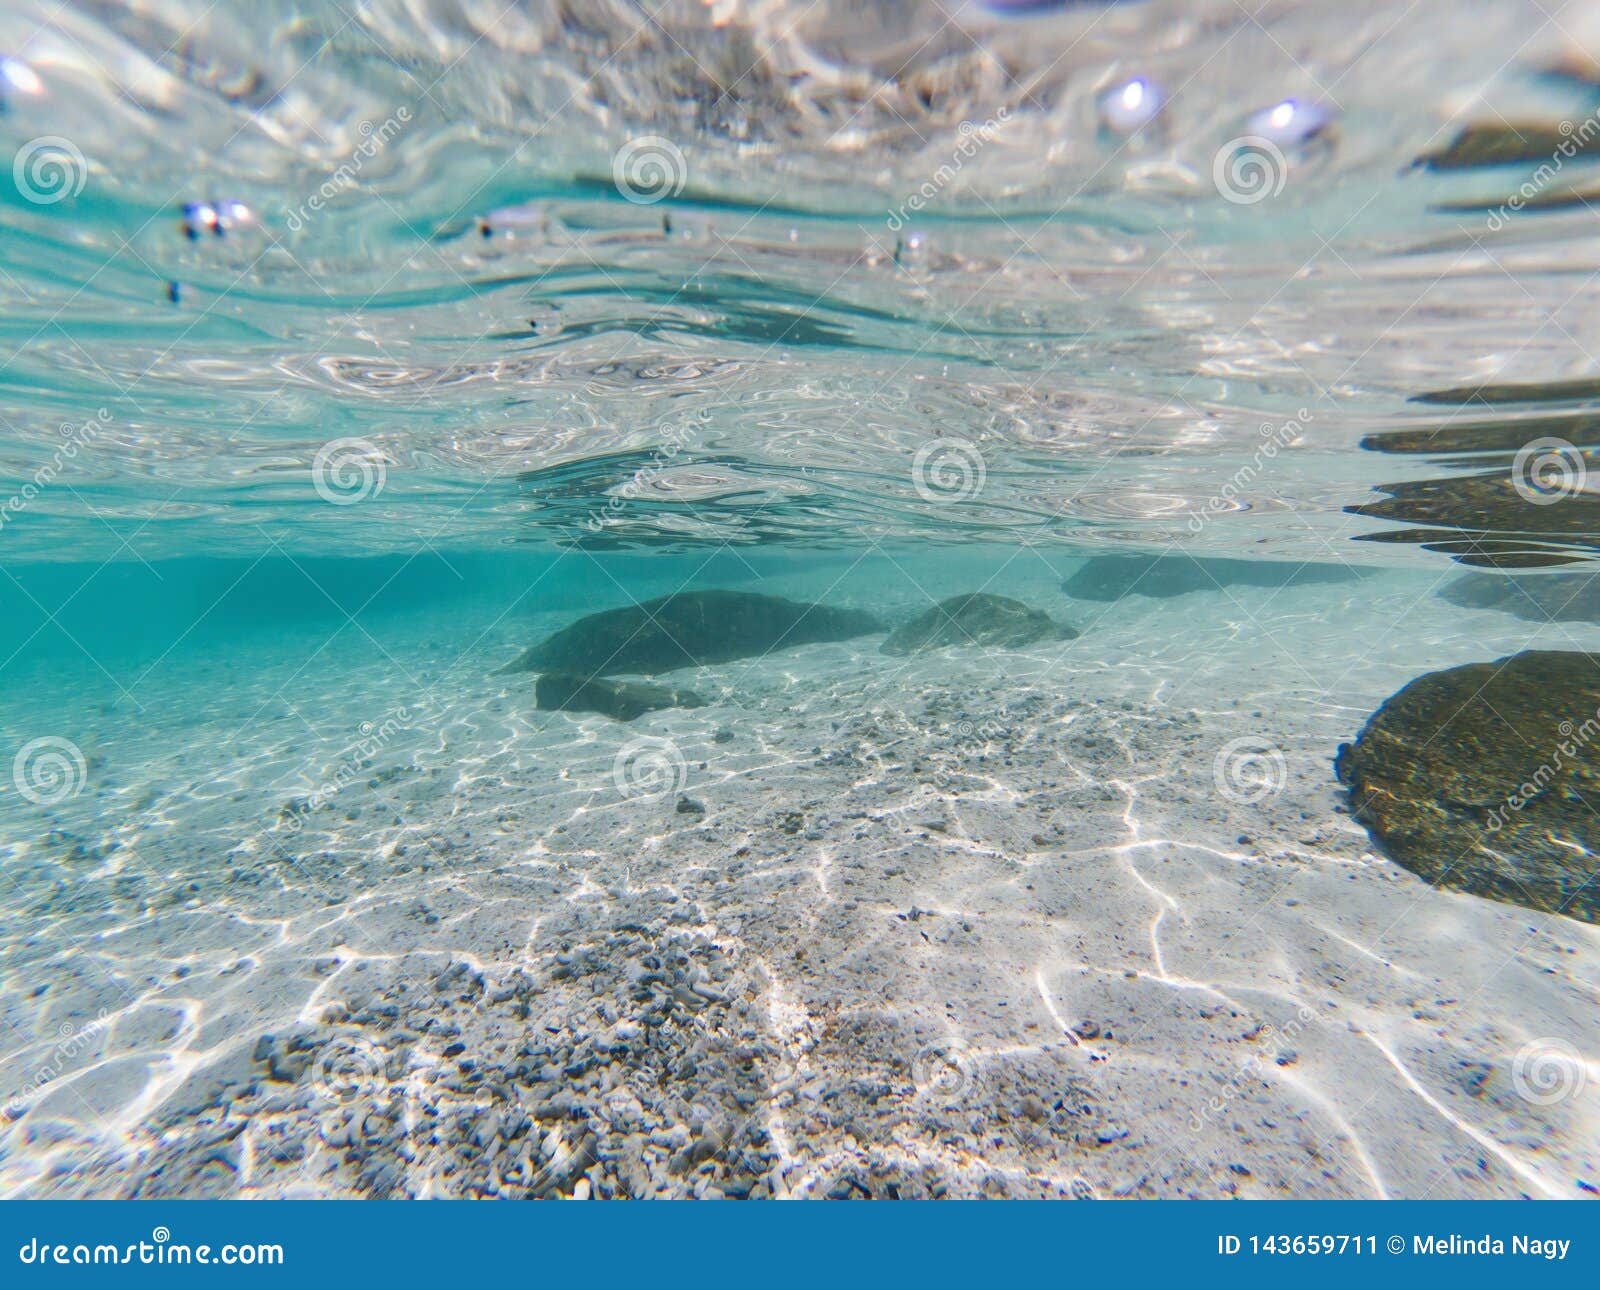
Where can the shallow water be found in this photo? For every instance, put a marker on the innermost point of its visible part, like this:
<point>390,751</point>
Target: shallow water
<point>526,315</point>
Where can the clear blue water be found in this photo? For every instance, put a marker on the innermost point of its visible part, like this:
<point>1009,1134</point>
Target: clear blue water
<point>347,352</point>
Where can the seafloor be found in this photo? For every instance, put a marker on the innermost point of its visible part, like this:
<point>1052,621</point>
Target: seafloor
<point>338,912</point>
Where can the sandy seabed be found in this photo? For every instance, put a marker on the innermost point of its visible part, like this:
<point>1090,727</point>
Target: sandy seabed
<point>349,917</point>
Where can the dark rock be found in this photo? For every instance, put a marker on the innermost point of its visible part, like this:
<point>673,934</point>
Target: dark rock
<point>688,806</point>
<point>1521,500</point>
<point>1490,519</point>
<point>1563,197</point>
<point>1582,387</point>
<point>979,619</point>
<point>624,700</point>
<point>1503,143</point>
<point>1111,577</point>
<point>1486,779</point>
<point>689,629</point>
<point>1503,435</point>
<point>1538,598</point>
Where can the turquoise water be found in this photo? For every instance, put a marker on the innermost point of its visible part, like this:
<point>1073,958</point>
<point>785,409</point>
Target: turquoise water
<point>349,353</point>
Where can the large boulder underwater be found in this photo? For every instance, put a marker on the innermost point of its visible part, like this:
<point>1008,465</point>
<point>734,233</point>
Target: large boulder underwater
<point>995,622</point>
<point>1536,597</point>
<point>689,629</point>
<point>1486,779</point>
<point>1111,577</point>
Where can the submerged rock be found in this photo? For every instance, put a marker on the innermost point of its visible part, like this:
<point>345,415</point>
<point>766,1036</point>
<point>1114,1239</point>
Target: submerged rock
<point>1564,198</point>
<point>1524,501</point>
<point>1583,387</point>
<point>1538,598</point>
<point>1503,143</point>
<point>976,620</point>
<point>1486,779</point>
<point>1506,435</point>
<point>624,700</point>
<point>1111,577</point>
<point>689,629</point>
<point>1498,518</point>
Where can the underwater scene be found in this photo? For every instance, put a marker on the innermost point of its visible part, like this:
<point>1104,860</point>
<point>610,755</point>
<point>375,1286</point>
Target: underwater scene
<point>778,599</point>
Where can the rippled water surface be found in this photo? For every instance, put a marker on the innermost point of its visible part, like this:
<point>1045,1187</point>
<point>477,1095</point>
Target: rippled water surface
<point>348,351</point>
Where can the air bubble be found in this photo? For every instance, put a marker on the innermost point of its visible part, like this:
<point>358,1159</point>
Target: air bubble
<point>1291,122</point>
<point>16,76</point>
<point>1132,105</point>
